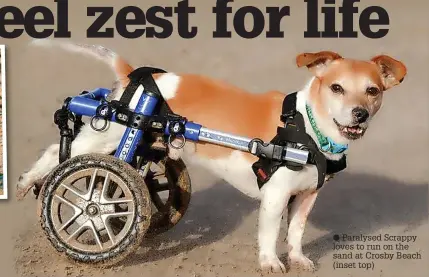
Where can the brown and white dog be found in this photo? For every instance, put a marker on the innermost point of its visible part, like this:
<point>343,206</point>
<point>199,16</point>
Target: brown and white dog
<point>344,95</point>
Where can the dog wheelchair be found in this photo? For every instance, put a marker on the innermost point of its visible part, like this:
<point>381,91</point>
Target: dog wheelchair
<point>98,208</point>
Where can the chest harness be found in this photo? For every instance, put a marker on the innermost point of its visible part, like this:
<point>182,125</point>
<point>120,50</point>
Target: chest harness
<point>293,134</point>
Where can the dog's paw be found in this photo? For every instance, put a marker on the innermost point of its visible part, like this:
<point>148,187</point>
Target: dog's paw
<point>301,262</point>
<point>23,187</point>
<point>271,263</point>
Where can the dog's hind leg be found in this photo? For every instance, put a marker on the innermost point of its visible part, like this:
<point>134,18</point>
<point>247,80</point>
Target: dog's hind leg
<point>298,215</point>
<point>88,141</point>
<point>45,164</point>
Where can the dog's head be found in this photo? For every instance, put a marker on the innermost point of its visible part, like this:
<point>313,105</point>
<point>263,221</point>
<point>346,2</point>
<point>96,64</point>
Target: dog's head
<point>347,93</point>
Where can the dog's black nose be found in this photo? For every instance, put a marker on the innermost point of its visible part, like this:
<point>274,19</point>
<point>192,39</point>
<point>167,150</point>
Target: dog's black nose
<point>360,114</point>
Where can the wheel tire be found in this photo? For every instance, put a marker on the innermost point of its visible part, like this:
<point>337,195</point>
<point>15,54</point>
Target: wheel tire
<point>142,208</point>
<point>178,198</point>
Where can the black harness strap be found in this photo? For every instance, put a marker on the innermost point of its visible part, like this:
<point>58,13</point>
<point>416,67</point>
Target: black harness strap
<point>333,167</point>
<point>129,92</point>
<point>124,115</point>
<point>293,134</point>
<point>139,77</point>
<point>289,107</point>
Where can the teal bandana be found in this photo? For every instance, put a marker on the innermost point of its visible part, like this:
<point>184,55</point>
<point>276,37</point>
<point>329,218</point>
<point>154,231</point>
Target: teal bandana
<point>326,144</point>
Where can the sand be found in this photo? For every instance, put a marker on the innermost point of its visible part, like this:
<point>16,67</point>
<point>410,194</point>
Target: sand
<point>383,191</point>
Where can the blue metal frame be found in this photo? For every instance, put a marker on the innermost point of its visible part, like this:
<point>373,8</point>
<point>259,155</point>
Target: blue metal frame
<point>132,136</point>
<point>87,104</point>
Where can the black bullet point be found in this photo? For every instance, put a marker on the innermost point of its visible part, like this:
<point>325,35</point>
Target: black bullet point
<point>336,237</point>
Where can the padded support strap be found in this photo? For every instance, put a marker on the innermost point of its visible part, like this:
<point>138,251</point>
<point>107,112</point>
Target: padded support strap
<point>137,78</point>
<point>141,76</point>
<point>293,134</point>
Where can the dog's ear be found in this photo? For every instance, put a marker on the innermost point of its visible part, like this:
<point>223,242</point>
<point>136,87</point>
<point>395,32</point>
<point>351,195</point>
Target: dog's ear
<point>317,62</point>
<point>392,71</point>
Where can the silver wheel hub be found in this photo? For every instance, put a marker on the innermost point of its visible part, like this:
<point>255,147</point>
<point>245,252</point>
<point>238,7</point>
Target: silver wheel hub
<point>92,210</point>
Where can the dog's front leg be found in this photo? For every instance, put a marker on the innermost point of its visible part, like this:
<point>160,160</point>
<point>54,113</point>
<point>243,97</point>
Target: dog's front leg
<point>275,196</point>
<point>298,215</point>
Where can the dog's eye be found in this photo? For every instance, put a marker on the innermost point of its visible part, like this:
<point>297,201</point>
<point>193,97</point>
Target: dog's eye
<point>337,88</point>
<point>373,91</point>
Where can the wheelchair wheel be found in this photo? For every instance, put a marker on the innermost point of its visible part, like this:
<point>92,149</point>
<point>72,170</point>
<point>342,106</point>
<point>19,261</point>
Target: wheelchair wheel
<point>95,209</point>
<point>170,190</point>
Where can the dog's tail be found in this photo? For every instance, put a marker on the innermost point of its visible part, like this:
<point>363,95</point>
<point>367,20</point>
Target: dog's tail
<point>119,65</point>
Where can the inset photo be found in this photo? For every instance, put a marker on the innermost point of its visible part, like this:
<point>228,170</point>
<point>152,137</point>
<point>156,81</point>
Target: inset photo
<point>3,153</point>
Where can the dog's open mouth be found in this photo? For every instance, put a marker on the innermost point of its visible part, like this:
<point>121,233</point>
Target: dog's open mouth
<point>351,132</point>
